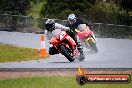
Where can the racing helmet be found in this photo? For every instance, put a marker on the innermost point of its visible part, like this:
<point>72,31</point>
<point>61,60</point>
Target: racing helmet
<point>72,18</point>
<point>50,24</point>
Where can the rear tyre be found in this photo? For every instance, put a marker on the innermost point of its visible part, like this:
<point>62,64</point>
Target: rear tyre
<point>66,53</point>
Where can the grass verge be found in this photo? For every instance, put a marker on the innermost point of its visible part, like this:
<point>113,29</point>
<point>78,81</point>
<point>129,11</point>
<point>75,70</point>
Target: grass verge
<point>53,82</point>
<point>9,53</point>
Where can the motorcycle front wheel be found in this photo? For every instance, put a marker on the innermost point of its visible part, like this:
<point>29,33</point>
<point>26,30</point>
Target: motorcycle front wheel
<point>92,44</point>
<point>66,53</point>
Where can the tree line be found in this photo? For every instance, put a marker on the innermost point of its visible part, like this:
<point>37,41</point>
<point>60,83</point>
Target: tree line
<point>61,8</point>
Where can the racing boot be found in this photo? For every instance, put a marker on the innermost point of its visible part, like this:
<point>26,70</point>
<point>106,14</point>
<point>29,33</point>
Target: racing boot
<point>53,50</point>
<point>79,47</point>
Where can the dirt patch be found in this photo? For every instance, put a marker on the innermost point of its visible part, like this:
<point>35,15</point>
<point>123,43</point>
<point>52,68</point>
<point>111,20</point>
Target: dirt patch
<point>8,75</point>
<point>19,74</point>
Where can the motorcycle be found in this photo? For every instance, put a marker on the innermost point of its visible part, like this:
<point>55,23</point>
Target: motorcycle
<point>65,45</point>
<point>87,37</point>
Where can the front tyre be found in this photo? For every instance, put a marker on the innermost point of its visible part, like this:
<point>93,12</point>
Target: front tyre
<point>66,53</point>
<point>91,42</point>
<point>93,45</point>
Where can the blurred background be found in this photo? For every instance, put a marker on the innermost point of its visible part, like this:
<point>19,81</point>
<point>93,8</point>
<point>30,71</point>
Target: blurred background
<point>110,18</point>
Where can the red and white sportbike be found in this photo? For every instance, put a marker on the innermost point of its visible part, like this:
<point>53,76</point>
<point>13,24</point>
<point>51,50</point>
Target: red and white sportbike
<point>87,36</point>
<point>65,45</point>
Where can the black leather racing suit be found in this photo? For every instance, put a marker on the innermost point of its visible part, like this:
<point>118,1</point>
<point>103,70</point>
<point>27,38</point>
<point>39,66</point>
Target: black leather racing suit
<point>73,33</point>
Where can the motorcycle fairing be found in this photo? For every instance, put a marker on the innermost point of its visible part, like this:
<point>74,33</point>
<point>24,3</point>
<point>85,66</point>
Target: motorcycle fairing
<point>54,40</point>
<point>63,38</point>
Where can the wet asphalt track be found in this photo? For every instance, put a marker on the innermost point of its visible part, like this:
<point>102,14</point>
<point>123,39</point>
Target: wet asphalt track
<point>113,53</point>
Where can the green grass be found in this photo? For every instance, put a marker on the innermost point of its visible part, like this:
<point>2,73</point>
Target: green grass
<point>53,82</point>
<point>36,9</point>
<point>10,53</point>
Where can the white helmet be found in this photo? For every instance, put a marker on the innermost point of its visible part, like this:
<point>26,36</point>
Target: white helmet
<point>50,21</point>
<point>50,24</point>
<point>71,18</point>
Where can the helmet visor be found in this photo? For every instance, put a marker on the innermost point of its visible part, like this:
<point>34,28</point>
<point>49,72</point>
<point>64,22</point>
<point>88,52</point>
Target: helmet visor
<point>49,27</point>
<point>71,21</point>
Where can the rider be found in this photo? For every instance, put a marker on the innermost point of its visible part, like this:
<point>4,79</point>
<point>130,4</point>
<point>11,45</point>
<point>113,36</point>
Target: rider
<point>50,28</point>
<point>73,23</point>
